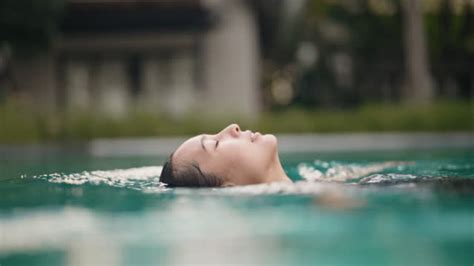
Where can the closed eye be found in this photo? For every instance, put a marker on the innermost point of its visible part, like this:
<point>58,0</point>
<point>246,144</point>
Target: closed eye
<point>217,143</point>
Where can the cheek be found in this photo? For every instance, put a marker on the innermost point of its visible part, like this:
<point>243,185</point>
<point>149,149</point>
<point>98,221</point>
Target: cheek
<point>238,158</point>
<point>257,156</point>
<point>245,156</point>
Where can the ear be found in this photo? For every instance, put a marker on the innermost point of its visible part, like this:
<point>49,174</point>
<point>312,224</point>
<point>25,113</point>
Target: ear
<point>228,184</point>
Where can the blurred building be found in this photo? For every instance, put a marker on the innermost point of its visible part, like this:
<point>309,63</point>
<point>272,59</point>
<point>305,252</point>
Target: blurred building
<point>175,57</point>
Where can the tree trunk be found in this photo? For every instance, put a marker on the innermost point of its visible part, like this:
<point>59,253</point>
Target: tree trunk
<point>418,87</point>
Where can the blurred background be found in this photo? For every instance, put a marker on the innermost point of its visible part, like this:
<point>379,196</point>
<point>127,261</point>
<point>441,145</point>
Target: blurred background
<point>87,86</point>
<point>82,69</point>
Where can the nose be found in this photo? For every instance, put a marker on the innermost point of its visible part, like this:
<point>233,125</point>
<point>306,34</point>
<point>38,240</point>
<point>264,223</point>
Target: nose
<point>232,130</point>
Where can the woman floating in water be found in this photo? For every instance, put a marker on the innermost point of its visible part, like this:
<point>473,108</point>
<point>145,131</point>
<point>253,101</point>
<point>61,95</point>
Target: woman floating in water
<point>230,157</point>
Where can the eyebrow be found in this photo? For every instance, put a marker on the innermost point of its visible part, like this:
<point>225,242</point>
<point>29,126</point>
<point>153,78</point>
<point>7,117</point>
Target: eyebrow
<point>202,143</point>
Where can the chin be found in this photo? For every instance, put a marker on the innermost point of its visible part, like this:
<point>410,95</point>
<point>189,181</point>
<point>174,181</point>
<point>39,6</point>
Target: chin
<point>271,139</point>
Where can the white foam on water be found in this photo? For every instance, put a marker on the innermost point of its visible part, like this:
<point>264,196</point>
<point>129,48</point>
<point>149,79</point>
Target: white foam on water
<point>315,176</point>
<point>336,172</point>
<point>389,178</point>
<point>139,178</point>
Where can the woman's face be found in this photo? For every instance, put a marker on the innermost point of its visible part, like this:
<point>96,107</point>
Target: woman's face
<point>240,157</point>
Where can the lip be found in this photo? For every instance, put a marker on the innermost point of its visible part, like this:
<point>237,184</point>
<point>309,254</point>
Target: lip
<point>254,136</point>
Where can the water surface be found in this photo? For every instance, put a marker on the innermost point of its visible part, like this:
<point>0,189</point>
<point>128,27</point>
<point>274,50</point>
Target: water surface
<point>347,208</point>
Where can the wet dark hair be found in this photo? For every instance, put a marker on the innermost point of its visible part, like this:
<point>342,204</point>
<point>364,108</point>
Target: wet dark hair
<point>187,175</point>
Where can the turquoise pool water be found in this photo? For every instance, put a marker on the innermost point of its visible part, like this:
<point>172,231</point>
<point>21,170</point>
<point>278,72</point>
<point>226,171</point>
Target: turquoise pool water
<point>347,208</point>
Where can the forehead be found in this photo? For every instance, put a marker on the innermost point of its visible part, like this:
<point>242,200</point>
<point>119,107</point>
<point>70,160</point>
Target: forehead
<point>189,149</point>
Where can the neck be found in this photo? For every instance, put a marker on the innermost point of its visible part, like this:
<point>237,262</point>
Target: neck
<point>276,173</point>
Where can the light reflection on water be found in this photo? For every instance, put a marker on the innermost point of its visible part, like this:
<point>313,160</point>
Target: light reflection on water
<point>206,230</point>
<point>181,229</point>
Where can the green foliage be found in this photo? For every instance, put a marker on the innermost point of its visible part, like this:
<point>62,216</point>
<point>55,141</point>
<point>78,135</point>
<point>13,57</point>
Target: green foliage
<point>369,34</point>
<point>20,123</point>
